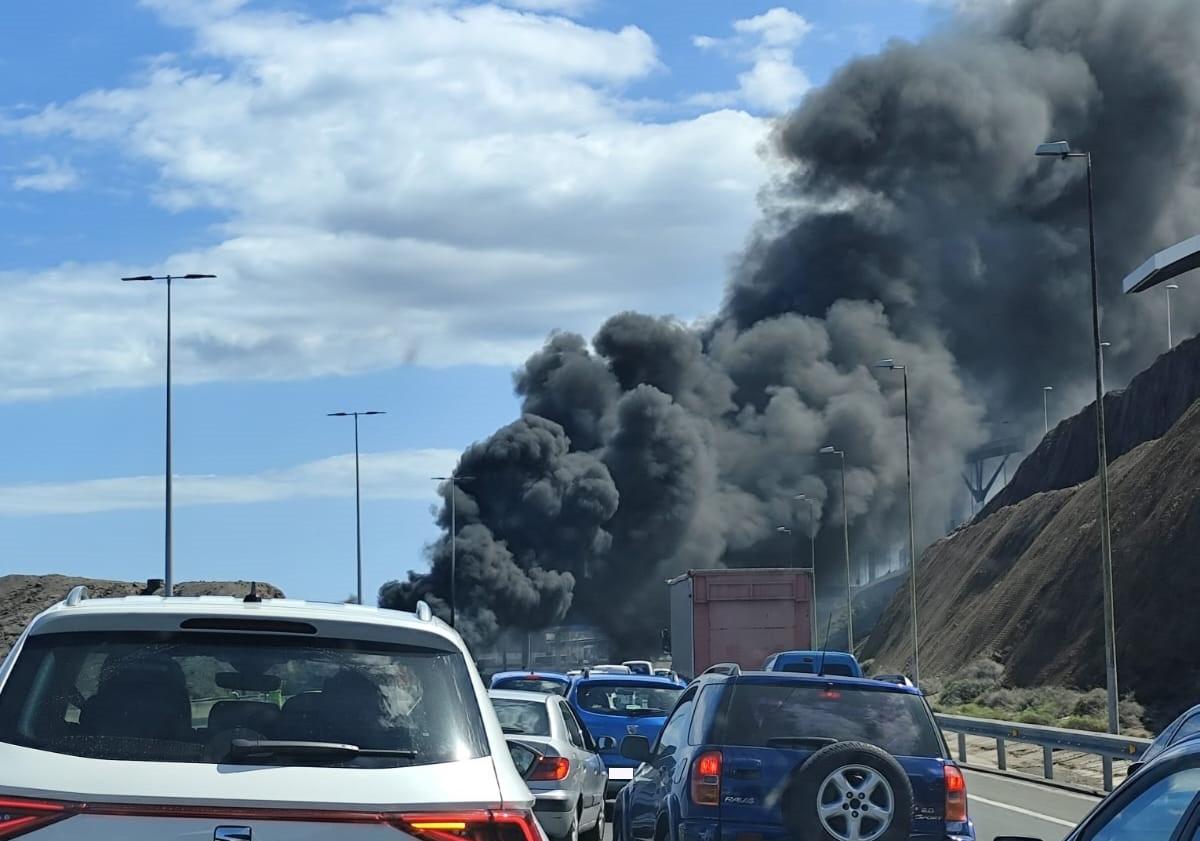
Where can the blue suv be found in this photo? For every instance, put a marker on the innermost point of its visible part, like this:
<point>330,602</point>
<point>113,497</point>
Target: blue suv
<point>777,756</point>
<point>621,705</point>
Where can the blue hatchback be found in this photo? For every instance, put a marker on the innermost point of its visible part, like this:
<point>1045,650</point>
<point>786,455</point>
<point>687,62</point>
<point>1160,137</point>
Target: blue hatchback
<point>814,662</point>
<point>618,706</point>
<point>777,756</point>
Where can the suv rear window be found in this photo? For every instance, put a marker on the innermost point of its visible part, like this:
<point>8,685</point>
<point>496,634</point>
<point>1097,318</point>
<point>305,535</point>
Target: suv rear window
<point>184,697</point>
<point>769,715</point>
<point>835,669</point>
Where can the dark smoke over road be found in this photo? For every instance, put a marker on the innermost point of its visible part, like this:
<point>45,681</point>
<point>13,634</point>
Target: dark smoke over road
<point>910,220</point>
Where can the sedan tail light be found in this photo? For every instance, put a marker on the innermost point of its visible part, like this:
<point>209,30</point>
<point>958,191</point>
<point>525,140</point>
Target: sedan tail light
<point>18,817</point>
<point>550,768</point>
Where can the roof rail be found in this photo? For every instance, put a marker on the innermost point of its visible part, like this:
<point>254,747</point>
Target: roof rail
<point>424,613</point>
<point>78,593</point>
<point>723,669</point>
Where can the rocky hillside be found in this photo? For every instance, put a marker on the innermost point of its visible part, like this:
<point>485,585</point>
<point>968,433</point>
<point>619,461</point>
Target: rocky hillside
<point>1153,401</point>
<point>1023,583</point>
<point>23,597</point>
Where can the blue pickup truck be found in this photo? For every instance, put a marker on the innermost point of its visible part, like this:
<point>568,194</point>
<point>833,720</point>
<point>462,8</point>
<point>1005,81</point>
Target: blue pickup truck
<point>619,706</point>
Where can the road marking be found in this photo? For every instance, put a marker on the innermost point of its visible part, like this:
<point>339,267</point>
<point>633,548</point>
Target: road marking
<point>1029,813</point>
<point>1056,790</point>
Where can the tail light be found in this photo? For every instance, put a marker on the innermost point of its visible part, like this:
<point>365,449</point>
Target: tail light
<point>509,825</point>
<point>550,768</point>
<point>956,795</point>
<point>706,779</point>
<point>20,816</point>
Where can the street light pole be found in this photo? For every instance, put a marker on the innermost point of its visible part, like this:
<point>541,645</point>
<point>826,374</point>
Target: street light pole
<point>168,542</point>
<point>1062,149</point>
<point>828,450</point>
<point>1046,389</point>
<point>912,530</point>
<point>1170,338</point>
<point>812,531</point>
<point>453,480</point>
<point>357,496</point>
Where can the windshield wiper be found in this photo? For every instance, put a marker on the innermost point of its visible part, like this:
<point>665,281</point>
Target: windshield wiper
<point>331,751</point>
<point>821,741</point>
<point>508,728</point>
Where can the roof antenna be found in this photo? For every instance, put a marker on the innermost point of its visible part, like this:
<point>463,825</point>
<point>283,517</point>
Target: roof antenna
<point>253,595</point>
<point>824,646</point>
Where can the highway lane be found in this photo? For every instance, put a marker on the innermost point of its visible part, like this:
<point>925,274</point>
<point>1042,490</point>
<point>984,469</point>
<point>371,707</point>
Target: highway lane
<point>1004,806</point>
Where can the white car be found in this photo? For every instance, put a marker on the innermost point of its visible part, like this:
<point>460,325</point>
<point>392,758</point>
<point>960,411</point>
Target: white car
<point>569,777</point>
<point>220,718</point>
<point>609,669</point>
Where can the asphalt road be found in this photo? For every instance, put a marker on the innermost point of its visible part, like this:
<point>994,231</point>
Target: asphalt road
<point>1004,806</point>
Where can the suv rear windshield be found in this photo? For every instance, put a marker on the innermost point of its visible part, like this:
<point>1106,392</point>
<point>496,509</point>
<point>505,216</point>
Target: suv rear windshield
<point>184,697</point>
<point>770,715</point>
<point>627,699</point>
<point>835,669</point>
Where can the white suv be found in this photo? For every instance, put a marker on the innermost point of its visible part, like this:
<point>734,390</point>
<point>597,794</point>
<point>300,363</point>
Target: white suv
<point>244,720</point>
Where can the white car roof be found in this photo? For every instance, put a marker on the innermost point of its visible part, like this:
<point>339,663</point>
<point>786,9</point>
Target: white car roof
<point>165,613</point>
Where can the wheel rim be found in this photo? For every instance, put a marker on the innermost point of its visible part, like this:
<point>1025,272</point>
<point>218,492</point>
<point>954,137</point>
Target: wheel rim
<point>855,803</point>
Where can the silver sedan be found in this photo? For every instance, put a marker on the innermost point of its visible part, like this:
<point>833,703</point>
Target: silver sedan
<point>569,779</point>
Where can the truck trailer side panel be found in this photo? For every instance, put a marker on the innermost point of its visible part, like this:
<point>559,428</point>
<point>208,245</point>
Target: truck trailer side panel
<point>740,616</point>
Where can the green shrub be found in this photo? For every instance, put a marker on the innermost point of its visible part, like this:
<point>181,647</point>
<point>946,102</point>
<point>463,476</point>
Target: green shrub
<point>1096,724</point>
<point>1035,717</point>
<point>1092,703</point>
<point>965,691</point>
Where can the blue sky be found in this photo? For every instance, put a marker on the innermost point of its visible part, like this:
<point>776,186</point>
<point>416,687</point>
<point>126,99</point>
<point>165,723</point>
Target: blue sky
<point>401,199</point>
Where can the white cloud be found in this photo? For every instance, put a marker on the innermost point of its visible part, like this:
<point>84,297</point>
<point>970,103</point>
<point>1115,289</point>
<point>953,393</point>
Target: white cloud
<point>565,7</point>
<point>47,175</point>
<point>767,42</point>
<point>412,182</point>
<point>400,474</point>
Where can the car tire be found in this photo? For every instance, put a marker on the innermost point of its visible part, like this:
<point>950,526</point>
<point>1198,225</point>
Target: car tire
<point>850,791</point>
<point>596,833</point>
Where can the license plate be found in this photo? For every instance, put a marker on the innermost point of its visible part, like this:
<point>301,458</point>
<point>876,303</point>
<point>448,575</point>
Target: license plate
<point>620,773</point>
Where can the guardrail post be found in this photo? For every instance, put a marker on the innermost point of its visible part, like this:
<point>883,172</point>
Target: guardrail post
<point>1108,777</point>
<point>962,747</point>
<point>1001,759</point>
<point>1048,762</point>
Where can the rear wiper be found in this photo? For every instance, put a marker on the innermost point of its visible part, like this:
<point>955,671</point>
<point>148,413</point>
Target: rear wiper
<point>332,751</point>
<point>821,741</point>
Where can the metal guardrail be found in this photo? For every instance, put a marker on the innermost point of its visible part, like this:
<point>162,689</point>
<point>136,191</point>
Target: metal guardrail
<point>1105,745</point>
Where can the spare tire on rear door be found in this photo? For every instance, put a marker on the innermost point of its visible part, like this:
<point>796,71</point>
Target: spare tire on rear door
<point>849,791</point>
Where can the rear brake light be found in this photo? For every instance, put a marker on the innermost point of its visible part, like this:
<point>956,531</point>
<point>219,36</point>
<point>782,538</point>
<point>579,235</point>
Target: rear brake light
<point>551,768</point>
<point>509,825</point>
<point>706,779</point>
<point>956,795</point>
<point>18,817</point>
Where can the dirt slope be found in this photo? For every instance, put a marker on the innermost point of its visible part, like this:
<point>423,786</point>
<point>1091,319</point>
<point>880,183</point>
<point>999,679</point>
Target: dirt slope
<point>1150,405</point>
<point>23,597</point>
<point>1024,583</point>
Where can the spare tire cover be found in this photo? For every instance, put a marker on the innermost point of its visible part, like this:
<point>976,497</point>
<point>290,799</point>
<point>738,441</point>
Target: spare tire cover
<point>850,791</point>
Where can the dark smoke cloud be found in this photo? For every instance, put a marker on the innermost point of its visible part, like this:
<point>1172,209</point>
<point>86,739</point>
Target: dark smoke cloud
<point>910,220</point>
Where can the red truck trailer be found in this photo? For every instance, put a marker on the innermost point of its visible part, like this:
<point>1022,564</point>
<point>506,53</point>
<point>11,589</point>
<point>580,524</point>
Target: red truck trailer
<point>739,616</point>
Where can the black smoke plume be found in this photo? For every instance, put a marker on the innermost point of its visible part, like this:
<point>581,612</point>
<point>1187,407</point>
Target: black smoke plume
<point>909,220</point>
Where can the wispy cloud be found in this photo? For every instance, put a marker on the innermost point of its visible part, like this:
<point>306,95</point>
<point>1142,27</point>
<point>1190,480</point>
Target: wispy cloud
<point>435,183</point>
<point>47,175</point>
<point>767,42</point>
<point>399,474</point>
